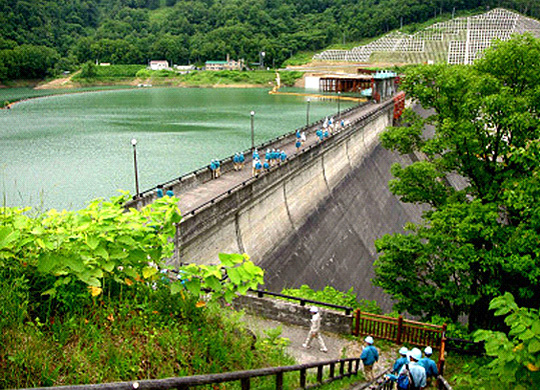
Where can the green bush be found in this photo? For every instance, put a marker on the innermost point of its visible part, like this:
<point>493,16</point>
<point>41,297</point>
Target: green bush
<point>91,71</point>
<point>331,295</point>
<point>83,303</point>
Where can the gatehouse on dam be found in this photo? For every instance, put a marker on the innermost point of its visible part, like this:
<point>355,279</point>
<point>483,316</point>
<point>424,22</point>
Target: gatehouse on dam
<point>312,219</point>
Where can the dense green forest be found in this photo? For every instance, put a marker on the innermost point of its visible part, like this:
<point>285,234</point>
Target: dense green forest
<point>43,37</point>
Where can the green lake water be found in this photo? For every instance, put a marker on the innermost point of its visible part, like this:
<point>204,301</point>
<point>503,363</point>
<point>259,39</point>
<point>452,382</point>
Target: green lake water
<point>62,151</point>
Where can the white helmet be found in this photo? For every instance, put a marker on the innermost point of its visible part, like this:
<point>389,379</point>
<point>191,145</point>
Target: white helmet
<point>428,351</point>
<point>314,309</point>
<point>369,340</point>
<point>416,354</point>
<point>403,351</point>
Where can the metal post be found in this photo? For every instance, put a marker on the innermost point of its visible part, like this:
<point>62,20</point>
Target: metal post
<point>134,143</point>
<point>252,133</point>
<point>307,113</point>
<point>338,102</point>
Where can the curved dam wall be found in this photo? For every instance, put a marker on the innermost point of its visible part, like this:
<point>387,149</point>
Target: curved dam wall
<point>335,244</point>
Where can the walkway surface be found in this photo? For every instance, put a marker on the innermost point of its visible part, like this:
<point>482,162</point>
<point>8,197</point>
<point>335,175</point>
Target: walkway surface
<point>192,198</point>
<point>339,347</point>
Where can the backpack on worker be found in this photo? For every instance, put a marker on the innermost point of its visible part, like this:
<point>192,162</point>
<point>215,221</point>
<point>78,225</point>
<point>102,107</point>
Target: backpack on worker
<point>405,380</point>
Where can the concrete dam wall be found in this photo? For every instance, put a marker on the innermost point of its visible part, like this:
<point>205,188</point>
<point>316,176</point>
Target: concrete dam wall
<point>312,221</point>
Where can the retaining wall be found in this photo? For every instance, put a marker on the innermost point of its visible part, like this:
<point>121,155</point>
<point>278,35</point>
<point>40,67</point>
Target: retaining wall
<point>293,313</point>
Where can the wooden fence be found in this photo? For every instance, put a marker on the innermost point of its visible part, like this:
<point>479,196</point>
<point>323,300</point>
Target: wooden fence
<point>338,369</point>
<point>398,330</point>
<point>401,331</point>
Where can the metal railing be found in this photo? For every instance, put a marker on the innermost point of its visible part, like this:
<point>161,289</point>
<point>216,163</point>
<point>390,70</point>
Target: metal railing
<point>346,367</point>
<point>260,293</point>
<point>205,170</point>
<point>277,166</point>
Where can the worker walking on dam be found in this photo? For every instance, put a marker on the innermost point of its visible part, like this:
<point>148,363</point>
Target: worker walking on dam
<point>314,330</point>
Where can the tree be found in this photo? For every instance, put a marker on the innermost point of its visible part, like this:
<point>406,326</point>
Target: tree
<point>486,124</point>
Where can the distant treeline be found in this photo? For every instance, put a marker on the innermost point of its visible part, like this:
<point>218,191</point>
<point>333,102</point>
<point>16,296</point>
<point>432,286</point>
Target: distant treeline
<point>41,37</point>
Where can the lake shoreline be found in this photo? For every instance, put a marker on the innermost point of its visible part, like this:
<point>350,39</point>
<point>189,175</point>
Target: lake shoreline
<point>73,87</point>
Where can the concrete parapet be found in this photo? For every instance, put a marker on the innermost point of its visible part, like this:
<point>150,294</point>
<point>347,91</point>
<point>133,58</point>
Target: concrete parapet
<point>293,313</point>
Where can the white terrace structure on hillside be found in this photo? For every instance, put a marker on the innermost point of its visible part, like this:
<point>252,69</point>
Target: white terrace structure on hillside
<point>458,41</point>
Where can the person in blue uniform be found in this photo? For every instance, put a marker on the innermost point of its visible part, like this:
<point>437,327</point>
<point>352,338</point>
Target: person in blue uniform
<point>429,365</point>
<point>369,357</point>
<point>401,361</point>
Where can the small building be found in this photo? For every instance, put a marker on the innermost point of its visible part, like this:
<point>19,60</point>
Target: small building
<point>159,65</point>
<point>224,65</point>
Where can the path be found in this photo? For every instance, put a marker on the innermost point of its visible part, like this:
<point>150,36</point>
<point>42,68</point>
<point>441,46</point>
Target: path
<point>338,346</point>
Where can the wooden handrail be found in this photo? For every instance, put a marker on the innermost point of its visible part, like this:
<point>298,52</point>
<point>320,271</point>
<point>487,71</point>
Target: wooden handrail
<point>198,380</point>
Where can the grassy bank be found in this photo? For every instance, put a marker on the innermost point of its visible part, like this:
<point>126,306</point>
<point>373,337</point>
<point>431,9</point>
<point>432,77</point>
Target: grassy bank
<point>139,338</point>
<point>130,76</point>
<point>135,74</point>
<point>83,302</point>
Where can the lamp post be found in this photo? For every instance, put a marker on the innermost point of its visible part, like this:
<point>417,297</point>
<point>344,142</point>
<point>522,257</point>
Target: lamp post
<point>261,59</point>
<point>307,113</point>
<point>338,102</point>
<point>252,132</point>
<point>134,143</point>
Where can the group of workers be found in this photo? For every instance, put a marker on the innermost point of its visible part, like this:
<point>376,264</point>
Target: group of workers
<point>410,371</point>
<point>271,158</point>
<point>160,194</point>
<point>215,167</point>
<point>274,156</point>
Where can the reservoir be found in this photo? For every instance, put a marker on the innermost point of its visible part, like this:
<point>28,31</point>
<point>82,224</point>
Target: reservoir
<point>63,151</point>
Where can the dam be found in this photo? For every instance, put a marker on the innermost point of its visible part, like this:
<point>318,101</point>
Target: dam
<point>310,220</point>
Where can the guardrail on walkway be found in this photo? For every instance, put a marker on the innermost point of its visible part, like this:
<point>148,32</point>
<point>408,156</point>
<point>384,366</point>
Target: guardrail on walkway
<point>345,367</point>
<point>204,174</point>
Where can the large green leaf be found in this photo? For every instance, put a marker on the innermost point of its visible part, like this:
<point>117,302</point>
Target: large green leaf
<point>92,242</point>
<point>46,263</point>
<point>176,287</point>
<point>147,272</point>
<point>194,286</point>
<point>7,236</point>
<point>534,345</point>
<point>213,282</point>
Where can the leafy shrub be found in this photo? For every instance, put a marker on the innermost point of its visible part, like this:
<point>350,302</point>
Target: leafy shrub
<point>331,295</point>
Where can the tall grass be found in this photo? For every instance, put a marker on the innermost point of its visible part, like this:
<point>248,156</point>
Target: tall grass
<point>147,334</point>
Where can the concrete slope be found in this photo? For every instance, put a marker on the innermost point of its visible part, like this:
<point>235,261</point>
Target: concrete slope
<point>335,246</point>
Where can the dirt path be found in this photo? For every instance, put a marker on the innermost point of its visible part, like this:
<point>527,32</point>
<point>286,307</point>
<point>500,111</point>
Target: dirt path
<point>338,346</point>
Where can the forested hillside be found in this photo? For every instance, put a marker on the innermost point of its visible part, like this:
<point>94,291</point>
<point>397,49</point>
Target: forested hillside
<point>40,37</point>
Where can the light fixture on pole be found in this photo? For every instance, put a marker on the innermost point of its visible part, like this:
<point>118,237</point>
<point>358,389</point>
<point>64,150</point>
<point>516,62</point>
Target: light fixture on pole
<point>252,132</point>
<point>307,113</point>
<point>261,59</point>
<point>134,143</point>
<point>338,102</point>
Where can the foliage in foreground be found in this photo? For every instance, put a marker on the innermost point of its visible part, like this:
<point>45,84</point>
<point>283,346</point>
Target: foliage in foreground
<point>83,299</point>
<point>516,355</point>
<point>59,260</point>
<point>478,241</point>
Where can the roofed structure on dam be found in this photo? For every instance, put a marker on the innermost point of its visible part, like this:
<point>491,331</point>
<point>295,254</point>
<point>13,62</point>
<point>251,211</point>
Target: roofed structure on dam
<point>457,41</point>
